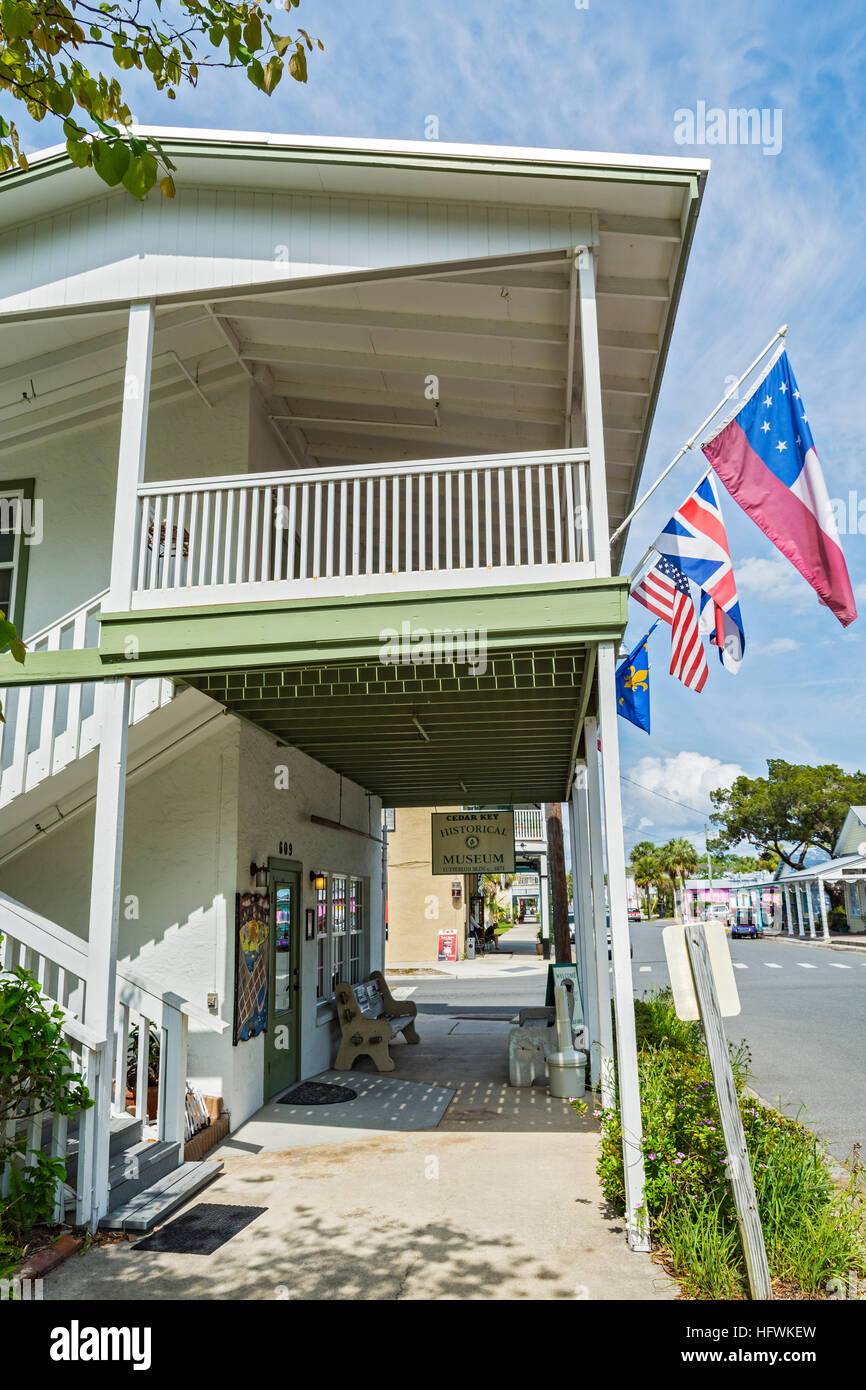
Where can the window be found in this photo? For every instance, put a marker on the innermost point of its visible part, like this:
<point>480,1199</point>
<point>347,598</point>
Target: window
<point>356,929</point>
<point>338,930</point>
<point>339,933</point>
<point>322,941</point>
<point>16,522</point>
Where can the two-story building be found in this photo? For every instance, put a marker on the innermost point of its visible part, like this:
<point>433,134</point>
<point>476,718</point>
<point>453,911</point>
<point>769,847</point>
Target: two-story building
<point>337,395</point>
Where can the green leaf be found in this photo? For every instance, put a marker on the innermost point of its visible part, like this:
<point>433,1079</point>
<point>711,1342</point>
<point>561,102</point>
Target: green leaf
<point>253,33</point>
<point>5,128</point>
<point>273,73</point>
<point>18,650</point>
<point>79,153</point>
<point>256,73</point>
<point>8,634</point>
<point>110,161</point>
<point>141,175</point>
<point>7,158</point>
<point>17,21</point>
<point>153,59</point>
<point>298,65</point>
<point>124,58</point>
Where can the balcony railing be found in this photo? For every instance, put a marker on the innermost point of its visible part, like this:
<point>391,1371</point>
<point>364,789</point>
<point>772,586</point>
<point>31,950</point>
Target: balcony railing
<point>529,825</point>
<point>493,519</point>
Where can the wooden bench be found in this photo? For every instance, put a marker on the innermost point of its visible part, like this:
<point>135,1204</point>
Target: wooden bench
<point>370,1017</point>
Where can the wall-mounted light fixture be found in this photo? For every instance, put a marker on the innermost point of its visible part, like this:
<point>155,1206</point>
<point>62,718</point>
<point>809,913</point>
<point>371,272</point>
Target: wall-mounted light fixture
<point>318,880</point>
<point>259,874</point>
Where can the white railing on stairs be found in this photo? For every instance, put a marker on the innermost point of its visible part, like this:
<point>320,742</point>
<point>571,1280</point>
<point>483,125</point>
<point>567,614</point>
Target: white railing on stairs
<point>59,961</point>
<point>49,726</point>
<point>351,528</point>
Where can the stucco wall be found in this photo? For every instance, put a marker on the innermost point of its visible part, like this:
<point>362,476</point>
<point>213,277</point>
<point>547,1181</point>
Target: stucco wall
<point>193,824</point>
<point>280,789</point>
<point>419,903</point>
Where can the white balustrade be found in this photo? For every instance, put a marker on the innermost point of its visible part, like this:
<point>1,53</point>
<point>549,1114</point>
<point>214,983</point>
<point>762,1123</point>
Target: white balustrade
<point>48,726</point>
<point>529,825</point>
<point>352,529</point>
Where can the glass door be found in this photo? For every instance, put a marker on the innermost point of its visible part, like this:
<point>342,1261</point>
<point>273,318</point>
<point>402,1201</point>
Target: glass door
<point>282,1040</point>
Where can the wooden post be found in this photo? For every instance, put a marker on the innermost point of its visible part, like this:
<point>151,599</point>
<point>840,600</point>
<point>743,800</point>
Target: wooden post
<point>558,884</point>
<point>543,906</point>
<point>739,1167</point>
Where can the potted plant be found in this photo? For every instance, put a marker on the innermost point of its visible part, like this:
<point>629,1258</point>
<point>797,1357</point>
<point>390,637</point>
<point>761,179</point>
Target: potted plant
<point>539,943</point>
<point>152,1071</point>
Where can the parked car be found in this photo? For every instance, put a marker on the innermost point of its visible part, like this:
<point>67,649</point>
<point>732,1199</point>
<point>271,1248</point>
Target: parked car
<point>571,925</point>
<point>743,922</point>
<point>635,915</point>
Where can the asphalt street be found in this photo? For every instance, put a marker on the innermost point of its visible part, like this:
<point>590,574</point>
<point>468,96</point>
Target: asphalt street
<point>802,1015</point>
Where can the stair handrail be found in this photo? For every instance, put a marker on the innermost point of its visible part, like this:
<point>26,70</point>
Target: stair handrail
<point>66,617</point>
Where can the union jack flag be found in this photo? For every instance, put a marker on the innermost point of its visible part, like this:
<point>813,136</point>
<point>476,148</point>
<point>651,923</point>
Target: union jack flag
<point>696,541</point>
<point>665,591</point>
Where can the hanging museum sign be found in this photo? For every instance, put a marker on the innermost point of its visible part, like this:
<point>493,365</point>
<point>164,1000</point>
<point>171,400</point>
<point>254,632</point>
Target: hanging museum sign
<point>473,842</point>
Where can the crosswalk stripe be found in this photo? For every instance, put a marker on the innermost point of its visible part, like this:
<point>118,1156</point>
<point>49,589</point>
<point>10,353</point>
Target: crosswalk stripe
<point>738,965</point>
<point>404,992</point>
<point>803,966</point>
<point>645,969</point>
<point>771,965</point>
<point>836,966</point>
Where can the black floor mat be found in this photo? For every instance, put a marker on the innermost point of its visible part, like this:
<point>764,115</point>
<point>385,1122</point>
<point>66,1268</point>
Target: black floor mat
<point>200,1231</point>
<point>318,1093</point>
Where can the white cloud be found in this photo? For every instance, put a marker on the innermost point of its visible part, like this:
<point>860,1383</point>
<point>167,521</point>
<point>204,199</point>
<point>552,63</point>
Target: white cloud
<point>676,790</point>
<point>860,592</point>
<point>644,823</point>
<point>774,578</point>
<point>774,648</point>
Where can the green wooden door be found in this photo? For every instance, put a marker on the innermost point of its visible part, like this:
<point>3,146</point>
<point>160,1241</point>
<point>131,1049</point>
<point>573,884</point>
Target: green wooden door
<point>282,1040</point>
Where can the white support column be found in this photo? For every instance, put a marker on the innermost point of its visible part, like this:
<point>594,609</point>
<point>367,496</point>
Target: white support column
<point>799,899</point>
<point>623,989</point>
<point>822,898</point>
<point>810,909</point>
<point>789,911</point>
<point>544,906</point>
<point>599,913</point>
<point>580,874</point>
<point>599,525</point>
<point>111,774</point>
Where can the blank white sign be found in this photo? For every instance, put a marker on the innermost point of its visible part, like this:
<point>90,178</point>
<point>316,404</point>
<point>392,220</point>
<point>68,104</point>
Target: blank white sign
<point>680,970</point>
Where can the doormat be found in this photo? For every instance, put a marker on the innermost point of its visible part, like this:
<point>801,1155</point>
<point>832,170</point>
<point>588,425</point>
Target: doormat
<point>318,1093</point>
<point>200,1231</point>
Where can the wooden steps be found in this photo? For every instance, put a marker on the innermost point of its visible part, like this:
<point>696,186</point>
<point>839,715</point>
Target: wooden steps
<point>149,1207</point>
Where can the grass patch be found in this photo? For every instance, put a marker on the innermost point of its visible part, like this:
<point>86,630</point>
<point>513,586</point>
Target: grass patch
<point>813,1229</point>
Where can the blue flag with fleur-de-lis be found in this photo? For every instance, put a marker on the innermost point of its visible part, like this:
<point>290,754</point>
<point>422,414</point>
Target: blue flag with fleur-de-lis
<point>632,685</point>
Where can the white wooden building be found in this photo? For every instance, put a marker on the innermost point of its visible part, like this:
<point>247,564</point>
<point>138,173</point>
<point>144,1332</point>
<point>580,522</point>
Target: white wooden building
<point>334,388</point>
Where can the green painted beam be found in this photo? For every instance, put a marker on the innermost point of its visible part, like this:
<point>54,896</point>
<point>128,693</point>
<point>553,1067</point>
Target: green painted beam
<point>318,631</point>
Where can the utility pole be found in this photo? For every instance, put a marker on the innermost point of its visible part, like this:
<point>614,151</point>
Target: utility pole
<point>558,882</point>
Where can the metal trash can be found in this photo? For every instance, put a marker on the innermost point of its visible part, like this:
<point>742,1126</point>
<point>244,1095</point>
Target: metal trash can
<point>566,1074</point>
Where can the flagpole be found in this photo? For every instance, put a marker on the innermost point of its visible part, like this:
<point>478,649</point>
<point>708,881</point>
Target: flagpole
<point>685,449</point>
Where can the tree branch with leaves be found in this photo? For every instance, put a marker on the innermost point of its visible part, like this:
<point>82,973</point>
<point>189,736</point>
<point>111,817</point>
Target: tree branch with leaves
<point>43,44</point>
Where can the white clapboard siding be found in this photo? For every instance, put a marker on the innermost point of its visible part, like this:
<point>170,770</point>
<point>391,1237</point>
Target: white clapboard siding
<point>114,247</point>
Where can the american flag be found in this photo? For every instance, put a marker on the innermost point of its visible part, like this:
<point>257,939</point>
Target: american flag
<point>665,591</point>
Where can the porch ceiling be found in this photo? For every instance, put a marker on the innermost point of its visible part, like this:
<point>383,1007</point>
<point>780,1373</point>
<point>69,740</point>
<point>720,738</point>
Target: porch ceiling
<point>427,734</point>
<point>340,360</point>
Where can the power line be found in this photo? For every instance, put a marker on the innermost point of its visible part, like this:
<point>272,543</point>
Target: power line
<point>653,792</point>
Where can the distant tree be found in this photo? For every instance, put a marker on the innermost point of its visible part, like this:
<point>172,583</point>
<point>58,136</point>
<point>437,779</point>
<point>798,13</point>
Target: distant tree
<point>645,870</point>
<point>793,809</point>
<point>44,45</point>
<point>679,859</point>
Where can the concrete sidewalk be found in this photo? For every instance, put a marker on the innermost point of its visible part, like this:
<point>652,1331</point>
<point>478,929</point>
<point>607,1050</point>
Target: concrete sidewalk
<point>499,1201</point>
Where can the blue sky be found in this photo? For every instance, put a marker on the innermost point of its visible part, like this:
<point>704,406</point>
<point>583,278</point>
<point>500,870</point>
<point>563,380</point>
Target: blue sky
<point>781,239</point>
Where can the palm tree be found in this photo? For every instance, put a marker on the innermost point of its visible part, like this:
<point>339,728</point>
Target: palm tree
<point>645,870</point>
<point>680,859</point>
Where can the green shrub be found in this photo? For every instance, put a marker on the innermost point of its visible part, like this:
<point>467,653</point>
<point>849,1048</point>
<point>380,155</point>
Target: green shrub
<point>812,1229</point>
<point>36,1078</point>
